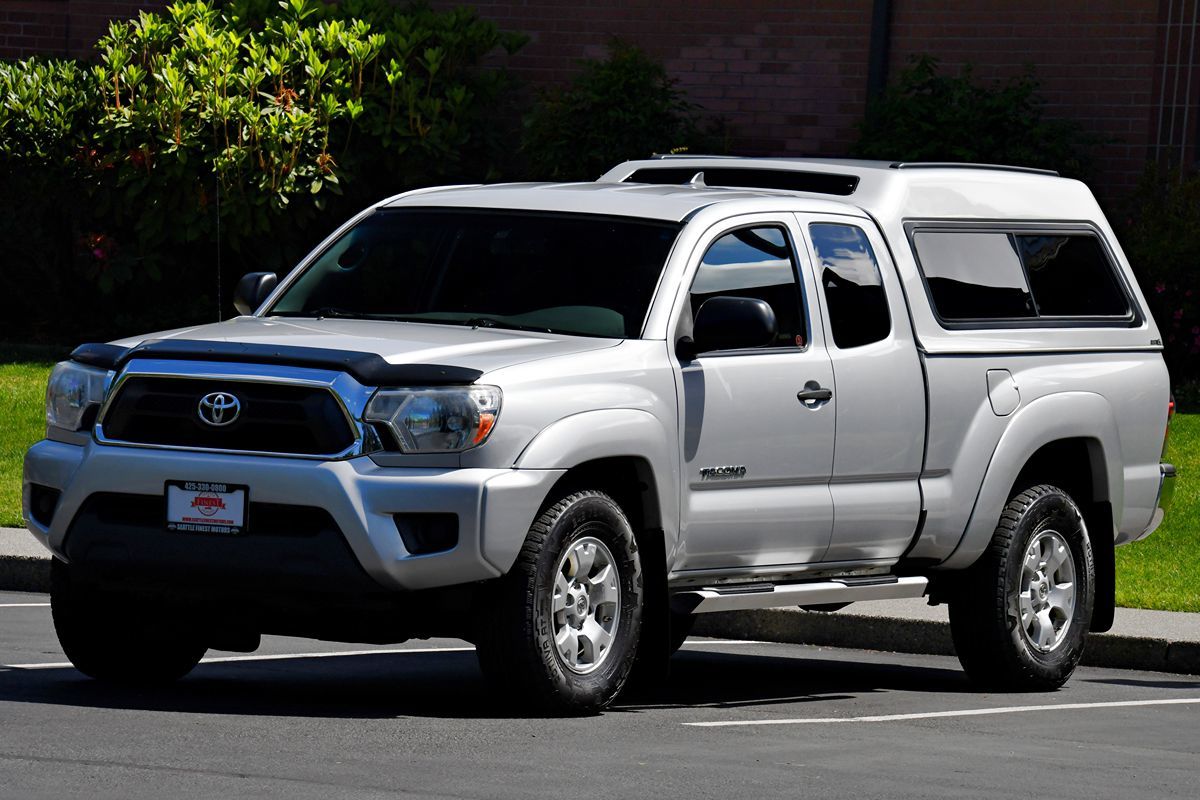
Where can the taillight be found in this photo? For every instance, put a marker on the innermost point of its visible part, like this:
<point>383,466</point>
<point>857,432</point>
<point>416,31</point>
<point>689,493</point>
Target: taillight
<point>1170,415</point>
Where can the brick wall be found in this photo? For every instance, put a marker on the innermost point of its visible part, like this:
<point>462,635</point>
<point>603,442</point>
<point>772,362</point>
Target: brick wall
<point>1098,61</point>
<point>60,27</point>
<point>790,75</point>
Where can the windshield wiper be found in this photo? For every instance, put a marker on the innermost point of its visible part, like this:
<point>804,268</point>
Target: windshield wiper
<point>322,313</point>
<point>491,322</point>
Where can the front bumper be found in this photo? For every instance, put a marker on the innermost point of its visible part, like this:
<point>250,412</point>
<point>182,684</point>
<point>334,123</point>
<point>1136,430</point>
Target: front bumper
<point>1166,493</point>
<point>494,506</point>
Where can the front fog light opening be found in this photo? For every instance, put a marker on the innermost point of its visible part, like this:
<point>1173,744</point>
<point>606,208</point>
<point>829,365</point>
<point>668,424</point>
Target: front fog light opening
<point>424,534</point>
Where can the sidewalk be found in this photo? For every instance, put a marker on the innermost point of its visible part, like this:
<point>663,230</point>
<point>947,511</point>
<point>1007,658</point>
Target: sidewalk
<point>1163,641</point>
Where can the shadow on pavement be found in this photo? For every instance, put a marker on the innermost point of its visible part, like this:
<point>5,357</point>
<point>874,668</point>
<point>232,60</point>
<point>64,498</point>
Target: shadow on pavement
<point>449,685</point>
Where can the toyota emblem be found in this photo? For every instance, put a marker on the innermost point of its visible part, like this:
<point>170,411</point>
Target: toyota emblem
<point>219,409</point>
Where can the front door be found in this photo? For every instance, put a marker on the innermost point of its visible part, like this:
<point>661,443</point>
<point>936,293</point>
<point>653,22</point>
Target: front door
<point>757,455</point>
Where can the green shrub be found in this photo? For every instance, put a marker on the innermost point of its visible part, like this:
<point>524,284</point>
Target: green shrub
<point>236,135</point>
<point>1161,235</point>
<point>928,116</point>
<point>620,108</point>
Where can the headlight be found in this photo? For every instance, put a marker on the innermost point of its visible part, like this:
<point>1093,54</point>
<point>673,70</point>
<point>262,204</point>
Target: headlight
<point>72,392</point>
<point>436,420</point>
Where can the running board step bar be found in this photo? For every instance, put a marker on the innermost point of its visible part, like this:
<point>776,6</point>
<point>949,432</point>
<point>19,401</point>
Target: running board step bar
<point>766,595</point>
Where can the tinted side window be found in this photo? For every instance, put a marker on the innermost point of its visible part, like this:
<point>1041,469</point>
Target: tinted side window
<point>854,295</point>
<point>1071,276</point>
<point>758,263</point>
<point>973,276</point>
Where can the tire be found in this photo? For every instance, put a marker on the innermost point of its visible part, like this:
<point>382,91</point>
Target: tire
<point>540,612</point>
<point>116,639</point>
<point>1021,619</point>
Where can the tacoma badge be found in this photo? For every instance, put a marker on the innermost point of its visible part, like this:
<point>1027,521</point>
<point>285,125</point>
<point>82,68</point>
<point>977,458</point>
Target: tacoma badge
<point>722,473</point>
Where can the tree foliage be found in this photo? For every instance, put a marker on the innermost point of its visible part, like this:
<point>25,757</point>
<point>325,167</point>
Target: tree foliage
<point>929,116</point>
<point>233,127</point>
<point>622,107</point>
<point>1161,236</point>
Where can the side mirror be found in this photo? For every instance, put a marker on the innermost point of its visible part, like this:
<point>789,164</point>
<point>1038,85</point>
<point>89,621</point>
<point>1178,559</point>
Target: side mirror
<point>252,290</point>
<point>733,323</point>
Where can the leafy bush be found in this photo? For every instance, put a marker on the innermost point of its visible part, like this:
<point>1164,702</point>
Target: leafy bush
<point>928,116</point>
<point>209,135</point>
<point>1161,235</point>
<point>620,108</point>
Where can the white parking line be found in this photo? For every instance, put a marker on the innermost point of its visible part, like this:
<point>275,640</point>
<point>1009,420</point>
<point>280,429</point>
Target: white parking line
<point>24,605</point>
<point>966,712</point>
<point>273,656</point>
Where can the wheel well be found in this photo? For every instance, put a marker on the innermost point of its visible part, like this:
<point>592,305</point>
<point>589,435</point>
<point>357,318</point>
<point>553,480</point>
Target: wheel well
<point>1073,465</point>
<point>628,479</point>
<point>1077,467</point>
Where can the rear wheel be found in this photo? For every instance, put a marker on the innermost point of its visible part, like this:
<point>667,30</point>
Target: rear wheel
<point>563,625</point>
<point>118,639</point>
<point>1020,621</point>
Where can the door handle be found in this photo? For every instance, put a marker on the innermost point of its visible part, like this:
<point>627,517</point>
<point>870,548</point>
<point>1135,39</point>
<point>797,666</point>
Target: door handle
<point>814,393</point>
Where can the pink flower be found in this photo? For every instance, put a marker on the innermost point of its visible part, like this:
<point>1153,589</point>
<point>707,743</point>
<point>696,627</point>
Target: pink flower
<point>1179,314</point>
<point>1160,287</point>
<point>99,253</point>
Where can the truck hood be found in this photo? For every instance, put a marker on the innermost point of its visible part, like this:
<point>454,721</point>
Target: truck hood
<point>483,349</point>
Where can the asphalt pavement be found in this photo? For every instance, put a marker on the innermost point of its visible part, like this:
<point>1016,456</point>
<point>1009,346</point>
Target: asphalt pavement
<point>304,719</point>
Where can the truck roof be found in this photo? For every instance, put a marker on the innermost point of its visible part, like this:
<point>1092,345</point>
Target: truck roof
<point>887,190</point>
<point>676,187</point>
<point>673,203</point>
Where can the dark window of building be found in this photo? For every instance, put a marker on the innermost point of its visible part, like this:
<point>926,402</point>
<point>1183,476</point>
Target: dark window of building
<point>1071,276</point>
<point>854,295</point>
<point>974,275</point>
<point>758,263</point>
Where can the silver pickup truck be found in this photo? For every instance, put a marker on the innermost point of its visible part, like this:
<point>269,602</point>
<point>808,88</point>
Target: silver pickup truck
<point>559,420</point>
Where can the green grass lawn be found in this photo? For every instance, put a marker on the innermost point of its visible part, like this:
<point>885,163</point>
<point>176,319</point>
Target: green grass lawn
<point>1161,572</point>
<point>22,422</point>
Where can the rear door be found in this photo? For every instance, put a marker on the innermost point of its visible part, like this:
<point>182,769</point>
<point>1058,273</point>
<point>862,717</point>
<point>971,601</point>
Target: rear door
<point>880,397</point>
<point>756,459</point>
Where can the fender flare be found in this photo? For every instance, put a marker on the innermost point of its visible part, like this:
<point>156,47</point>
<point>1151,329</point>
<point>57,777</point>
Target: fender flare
<point>612,433</point>
<point>1064,415</point>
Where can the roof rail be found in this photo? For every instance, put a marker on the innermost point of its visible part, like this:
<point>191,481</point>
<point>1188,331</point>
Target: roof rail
<point>664,156</point>
<point>964,165</point>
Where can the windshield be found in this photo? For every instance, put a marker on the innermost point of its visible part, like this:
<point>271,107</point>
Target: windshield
<point>559,273</point>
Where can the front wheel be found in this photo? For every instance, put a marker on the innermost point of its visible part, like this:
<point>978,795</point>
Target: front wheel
<point>117,639</point>
<point>1020,621</point>
<point>562,627</point>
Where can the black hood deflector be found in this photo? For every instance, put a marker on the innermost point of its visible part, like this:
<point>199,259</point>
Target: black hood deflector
<point>367,368</point>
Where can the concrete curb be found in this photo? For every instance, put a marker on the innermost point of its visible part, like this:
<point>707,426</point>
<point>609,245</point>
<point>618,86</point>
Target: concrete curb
<point>24,574</point>
<point>24,563</point>
<point>840,629</point>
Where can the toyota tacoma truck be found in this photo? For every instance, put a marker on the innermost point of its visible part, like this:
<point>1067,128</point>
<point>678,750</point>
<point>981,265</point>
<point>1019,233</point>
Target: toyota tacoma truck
<point>560,420</point>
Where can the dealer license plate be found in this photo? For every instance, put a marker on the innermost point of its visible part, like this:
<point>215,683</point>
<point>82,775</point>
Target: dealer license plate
<point>199,507</point>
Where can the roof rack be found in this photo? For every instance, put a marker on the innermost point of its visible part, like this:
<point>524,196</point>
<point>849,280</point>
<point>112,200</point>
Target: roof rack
<point>663,156</point>
<point>963,165</point>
